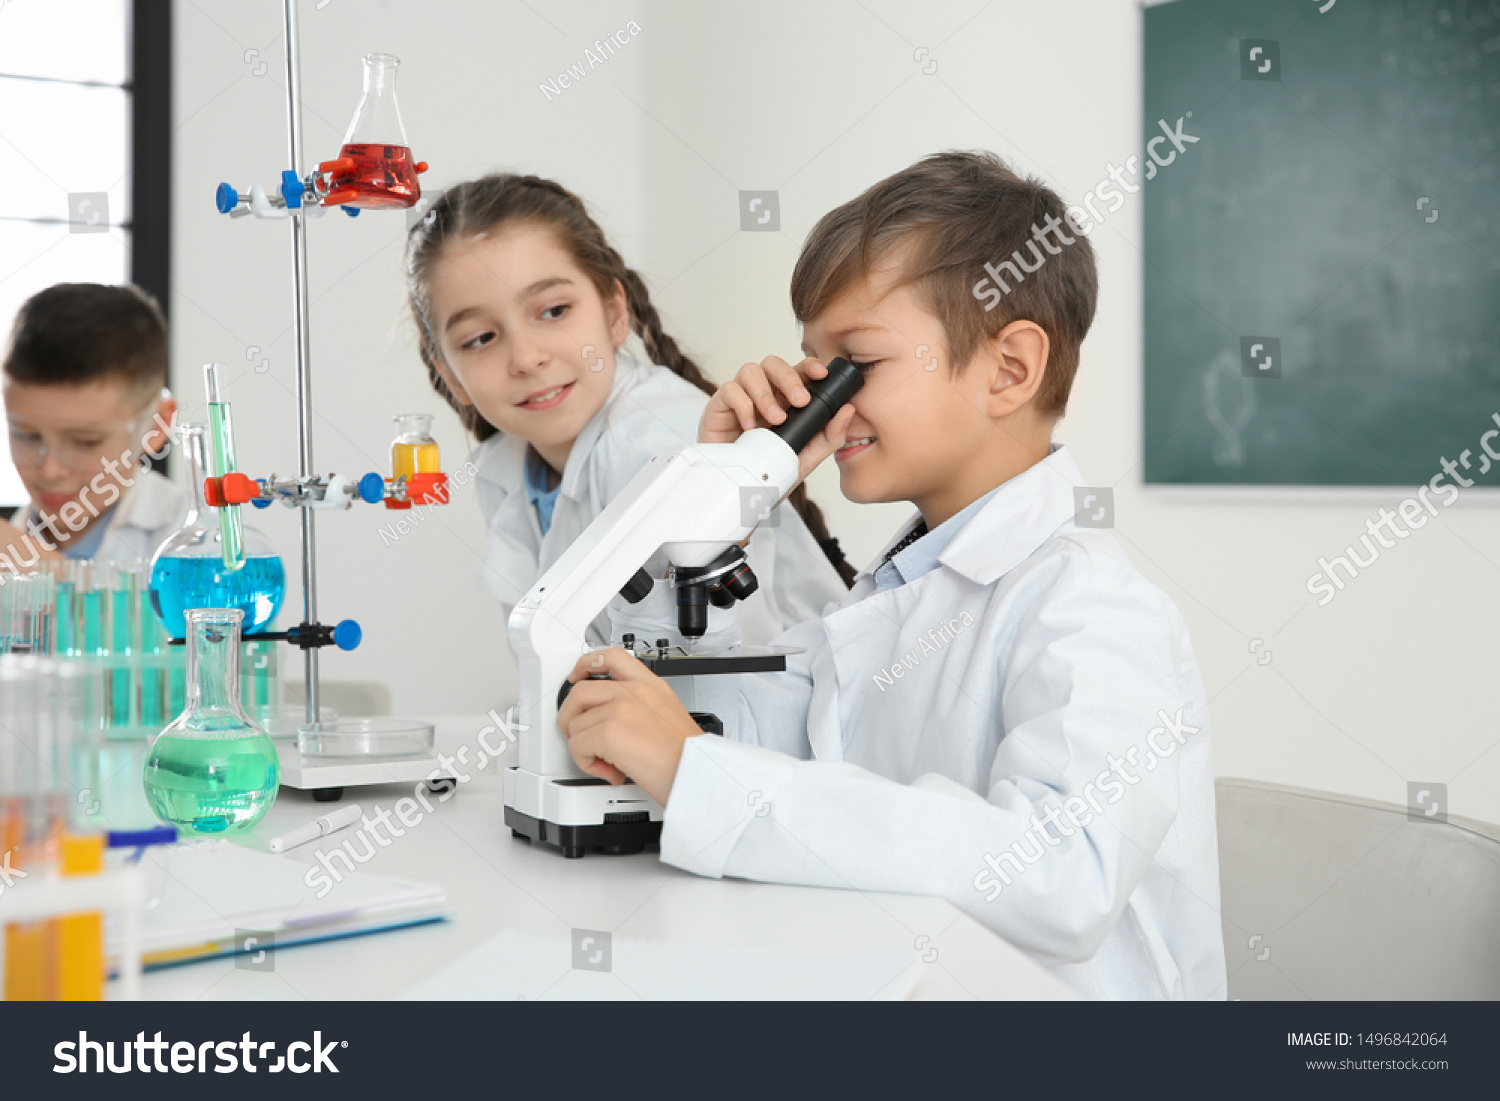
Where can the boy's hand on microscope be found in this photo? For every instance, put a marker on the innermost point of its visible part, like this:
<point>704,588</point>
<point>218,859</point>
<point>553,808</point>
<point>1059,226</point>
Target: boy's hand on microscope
<point>631,725</point>
<point>758,397</point>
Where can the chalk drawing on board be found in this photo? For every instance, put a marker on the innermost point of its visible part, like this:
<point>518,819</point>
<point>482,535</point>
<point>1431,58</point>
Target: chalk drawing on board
<point>1230,406</point>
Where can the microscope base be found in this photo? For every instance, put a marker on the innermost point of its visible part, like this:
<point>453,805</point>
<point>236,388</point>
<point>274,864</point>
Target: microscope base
<point>613,838</point>
<point>579,813</point>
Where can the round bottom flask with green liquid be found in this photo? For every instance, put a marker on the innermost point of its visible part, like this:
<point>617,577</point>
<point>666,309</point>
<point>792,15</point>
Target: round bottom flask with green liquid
<point>213,771</point>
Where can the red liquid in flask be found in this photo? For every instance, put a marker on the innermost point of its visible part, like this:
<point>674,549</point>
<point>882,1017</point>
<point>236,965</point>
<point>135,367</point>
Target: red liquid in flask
<point>384,177</point>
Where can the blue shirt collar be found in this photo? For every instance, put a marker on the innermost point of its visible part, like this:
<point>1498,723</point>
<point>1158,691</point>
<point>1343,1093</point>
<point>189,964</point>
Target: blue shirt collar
<point>1050,481</point>
<point>534,475</point>
<point>922,555</point>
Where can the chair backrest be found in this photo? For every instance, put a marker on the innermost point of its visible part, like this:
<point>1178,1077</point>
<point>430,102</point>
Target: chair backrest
<point>1327,896</point>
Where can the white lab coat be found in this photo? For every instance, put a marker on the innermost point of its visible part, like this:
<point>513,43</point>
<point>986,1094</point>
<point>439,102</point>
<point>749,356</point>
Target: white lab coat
<point>926,724</point>
<point>145,514</point>
<point>649,409</point>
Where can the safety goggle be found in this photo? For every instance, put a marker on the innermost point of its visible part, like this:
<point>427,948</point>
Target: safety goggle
<point>86,448</point>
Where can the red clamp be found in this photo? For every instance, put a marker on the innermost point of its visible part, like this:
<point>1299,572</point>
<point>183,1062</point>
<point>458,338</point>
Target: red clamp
<point>232,489</point>
<point>422,489</point>
<point>239,490</point>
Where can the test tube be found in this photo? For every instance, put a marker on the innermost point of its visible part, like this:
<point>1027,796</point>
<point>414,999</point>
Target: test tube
<point>25,614</point>
<point>93,596</point>
<point>64,606</point>
<point>28,945</point>
<point>221,429</point>
<point>7,609</point>
<point>42,612</point>
<point>93,610</point>
<point>78,716</point>
<point>124,599</point>
<point>47,708</point>
<point>151,650</point>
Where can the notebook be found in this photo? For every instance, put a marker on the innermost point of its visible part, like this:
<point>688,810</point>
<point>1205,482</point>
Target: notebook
<point>209,891</point>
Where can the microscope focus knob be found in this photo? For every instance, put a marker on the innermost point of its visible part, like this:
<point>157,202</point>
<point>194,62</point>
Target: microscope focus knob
<point>638,587</point>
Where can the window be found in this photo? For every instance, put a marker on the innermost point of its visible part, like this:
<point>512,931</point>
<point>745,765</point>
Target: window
<point>85,132</point>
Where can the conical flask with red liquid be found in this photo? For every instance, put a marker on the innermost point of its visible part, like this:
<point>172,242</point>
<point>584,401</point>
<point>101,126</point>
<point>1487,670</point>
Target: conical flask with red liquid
<point>374,169</point>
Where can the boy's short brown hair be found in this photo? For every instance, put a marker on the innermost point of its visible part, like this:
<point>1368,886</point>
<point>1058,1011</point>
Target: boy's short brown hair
<point>968,221</point>
<point>80,332</point>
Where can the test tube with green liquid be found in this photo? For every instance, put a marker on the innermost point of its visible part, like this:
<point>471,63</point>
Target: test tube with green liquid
<point>65,611</point>
<point>122,601</point>
<point>221,432</point>
<point>152,647</point>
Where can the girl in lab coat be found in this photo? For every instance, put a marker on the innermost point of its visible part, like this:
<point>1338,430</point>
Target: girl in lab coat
<point>534,330</point>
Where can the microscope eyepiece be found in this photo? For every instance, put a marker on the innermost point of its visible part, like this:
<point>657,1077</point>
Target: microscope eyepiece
<point>829,394</point>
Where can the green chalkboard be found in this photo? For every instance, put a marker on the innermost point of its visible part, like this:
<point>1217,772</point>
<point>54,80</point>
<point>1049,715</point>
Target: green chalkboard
<point>1341,207</point>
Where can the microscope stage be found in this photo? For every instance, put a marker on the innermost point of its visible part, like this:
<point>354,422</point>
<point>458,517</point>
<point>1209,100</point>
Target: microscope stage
<point>676,661</point>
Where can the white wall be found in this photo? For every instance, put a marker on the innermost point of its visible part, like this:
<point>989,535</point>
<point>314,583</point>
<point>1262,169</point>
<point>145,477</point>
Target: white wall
<point>817,101</point>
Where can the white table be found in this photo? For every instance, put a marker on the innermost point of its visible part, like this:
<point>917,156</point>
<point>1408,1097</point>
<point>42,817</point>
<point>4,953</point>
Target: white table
<point>496,883</point>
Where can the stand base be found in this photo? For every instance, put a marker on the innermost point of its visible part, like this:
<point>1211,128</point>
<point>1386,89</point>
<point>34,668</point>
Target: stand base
<point>613,838</point>
<point>329,774</point>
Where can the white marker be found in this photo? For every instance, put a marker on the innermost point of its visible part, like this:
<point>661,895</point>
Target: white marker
<point>322,827</point>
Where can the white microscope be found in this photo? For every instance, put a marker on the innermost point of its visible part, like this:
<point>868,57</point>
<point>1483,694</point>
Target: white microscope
<point>695,504</point>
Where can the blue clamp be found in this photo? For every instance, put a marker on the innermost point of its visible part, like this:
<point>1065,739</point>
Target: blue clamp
<point>226,198</point>
<point>261,502</point>
<point>291,189</point>
<point>347,635</point>
<point>372,488</point>
<point>352,211</point>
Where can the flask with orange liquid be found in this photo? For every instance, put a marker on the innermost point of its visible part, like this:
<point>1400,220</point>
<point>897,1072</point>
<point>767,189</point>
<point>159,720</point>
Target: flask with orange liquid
<point>414,451</point>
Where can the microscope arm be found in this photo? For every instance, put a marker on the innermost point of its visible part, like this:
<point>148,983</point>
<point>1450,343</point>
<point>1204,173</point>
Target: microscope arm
<point>689,502</point>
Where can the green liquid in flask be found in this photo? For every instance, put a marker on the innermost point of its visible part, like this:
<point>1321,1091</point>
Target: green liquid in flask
<point>212,785</point>
<point>213,771</point>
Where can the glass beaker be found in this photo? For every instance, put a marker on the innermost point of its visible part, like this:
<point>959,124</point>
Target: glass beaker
<point>414,451</point>
<point>188,569</point>
<point>374,170</point>
<point>213,771</point>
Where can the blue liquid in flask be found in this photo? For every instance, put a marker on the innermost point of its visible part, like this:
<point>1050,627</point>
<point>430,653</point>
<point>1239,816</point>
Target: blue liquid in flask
<point>180,583</point>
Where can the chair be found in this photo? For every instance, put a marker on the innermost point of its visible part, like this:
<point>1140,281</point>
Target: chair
<point>1327,897</point>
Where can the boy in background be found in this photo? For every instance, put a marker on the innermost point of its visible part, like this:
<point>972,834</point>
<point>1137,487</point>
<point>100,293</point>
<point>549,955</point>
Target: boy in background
<point>84,387</point>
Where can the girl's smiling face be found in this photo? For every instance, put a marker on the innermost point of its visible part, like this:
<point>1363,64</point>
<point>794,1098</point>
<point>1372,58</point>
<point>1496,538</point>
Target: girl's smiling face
<point>524,336</point>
